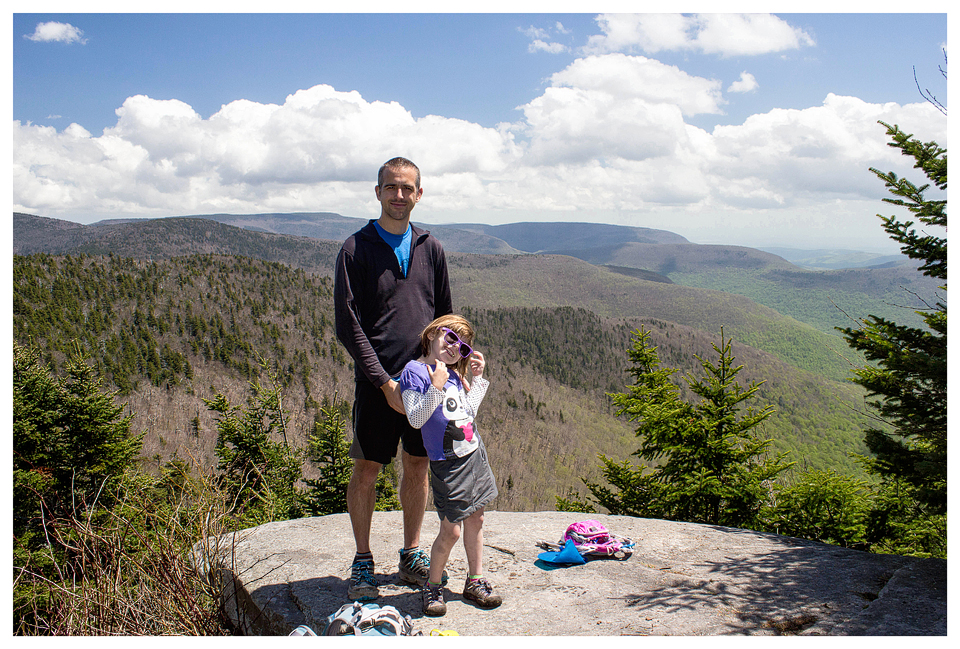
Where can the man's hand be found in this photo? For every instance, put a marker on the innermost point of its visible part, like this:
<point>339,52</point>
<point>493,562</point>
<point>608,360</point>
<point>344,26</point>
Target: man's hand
<point>391,390</point>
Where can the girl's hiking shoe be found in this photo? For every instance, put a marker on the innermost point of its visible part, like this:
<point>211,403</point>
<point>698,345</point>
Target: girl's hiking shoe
<point>363,583</point>
<point>481,592</point>
<point>415,567</point>
<point>433,604</point>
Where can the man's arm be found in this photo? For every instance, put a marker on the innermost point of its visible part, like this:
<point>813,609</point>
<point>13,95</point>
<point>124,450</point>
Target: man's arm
<point>442,300</point>
<point>349,331</point>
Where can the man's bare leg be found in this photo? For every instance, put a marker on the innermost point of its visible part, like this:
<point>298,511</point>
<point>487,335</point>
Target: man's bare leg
<point>361,500</point>
<point>413,497</point>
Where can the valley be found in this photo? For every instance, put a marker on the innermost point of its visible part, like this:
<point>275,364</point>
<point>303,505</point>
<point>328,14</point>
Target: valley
<point>205,300</point>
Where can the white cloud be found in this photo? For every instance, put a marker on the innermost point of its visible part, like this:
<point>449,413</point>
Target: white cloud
<point>648,33</point>
<point>622,76</point>
<point>577,126</point>
<point>614,107</point>
<point>533,33</point>
<point>543,46</point>
<point>607,139</point>
<point>746,83</point>
<point>721,34</point>
<point>819,151</point>
<point>320,148</point>
<point>541,41</point>
<point>748,34</point>
<point>56,32</point>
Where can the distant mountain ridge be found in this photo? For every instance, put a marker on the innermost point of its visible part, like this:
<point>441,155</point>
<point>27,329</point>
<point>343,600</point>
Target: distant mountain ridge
<point>557,236</point>
<point>587,241</point>
<point>827,259</point>
<point>334,227</point>
<point>824,298</point>
<point>484,281</point>
<point>593,242</point>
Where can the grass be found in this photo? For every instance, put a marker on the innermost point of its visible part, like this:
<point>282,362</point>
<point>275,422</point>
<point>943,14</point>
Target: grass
<point>130,569</point>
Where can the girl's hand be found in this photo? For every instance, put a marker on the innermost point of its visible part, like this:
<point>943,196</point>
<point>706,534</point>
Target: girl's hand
<point>477,363</point>
<point>439,375</point>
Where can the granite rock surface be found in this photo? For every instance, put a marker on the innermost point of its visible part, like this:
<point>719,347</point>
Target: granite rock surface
<point>683,579</point>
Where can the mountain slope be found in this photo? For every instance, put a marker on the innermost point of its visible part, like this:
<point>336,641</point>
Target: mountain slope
<point>170,333</point>
<point>825,299</point>
<point>480,280</point>
<point>554,280</point>
<point>167,238</point>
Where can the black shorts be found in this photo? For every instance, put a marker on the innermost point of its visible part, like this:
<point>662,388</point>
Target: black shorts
<point>378,428</point>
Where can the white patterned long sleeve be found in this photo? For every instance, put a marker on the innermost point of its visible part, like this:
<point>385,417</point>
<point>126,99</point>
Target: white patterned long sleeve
<point>419,406</point>
<point>477,391</point>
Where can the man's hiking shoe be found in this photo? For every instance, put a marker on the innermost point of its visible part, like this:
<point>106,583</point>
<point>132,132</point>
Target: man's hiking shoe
<point>363,584</point>
<point>481,592</point>
<point>433,604</point>
<point>415,567</point>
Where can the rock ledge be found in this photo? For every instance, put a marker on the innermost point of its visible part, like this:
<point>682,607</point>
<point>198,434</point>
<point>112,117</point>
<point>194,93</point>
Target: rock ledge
<point>683,579</point>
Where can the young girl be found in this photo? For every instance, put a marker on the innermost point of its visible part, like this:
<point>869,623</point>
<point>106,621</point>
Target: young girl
<point>441,393</point>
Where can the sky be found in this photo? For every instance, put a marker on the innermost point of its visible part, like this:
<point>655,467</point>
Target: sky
<point>748,129</point>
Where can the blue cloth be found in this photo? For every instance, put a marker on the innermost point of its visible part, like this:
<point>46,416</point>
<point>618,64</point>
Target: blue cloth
<point>569,554</point>
<point>400,244</point>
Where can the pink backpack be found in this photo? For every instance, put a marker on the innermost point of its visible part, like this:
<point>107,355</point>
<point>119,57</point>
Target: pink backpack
<point>592,539</point>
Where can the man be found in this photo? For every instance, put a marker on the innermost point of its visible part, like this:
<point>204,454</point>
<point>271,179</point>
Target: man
<point>391,282</point>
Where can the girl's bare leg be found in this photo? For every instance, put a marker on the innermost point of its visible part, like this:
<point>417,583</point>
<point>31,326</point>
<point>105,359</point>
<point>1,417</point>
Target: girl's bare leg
<point>473,542</point>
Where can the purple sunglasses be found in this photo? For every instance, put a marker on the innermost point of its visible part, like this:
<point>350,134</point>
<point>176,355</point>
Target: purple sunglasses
<point>452,338</point>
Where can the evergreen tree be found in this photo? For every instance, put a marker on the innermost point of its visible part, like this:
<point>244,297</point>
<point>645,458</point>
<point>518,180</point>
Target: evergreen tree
<point>907,377</point>
<point>822,506</point>
<point>72,449</point>
<point>711,467</point>
<point>71,441</point>
<point>328,448</point>
<point>387,497</point>
<point>259,472</point>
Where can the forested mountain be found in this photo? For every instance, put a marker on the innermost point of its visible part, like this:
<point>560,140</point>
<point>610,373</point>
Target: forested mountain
<point>824,299</point>
<point>845,284</point>
<point>167,238</point>
<point>170,323</point>
<point>483,281</point>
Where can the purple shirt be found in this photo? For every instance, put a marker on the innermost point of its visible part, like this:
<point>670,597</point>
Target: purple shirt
<point>445,417</point>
